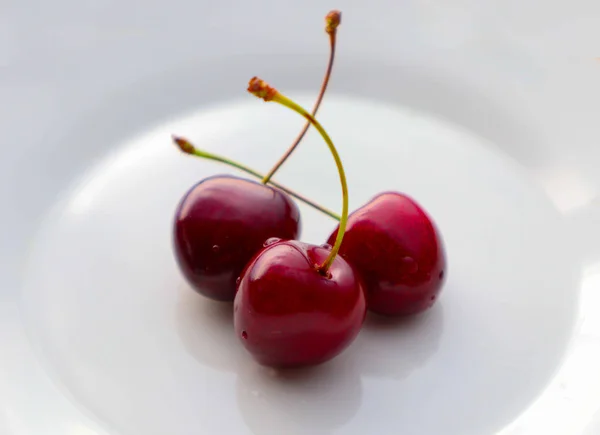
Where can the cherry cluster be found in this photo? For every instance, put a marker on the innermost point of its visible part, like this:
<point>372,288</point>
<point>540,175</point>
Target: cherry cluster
<point>294,303</point>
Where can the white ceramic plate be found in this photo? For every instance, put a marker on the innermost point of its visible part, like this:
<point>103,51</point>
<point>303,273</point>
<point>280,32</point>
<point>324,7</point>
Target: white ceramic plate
<point>486,112</point>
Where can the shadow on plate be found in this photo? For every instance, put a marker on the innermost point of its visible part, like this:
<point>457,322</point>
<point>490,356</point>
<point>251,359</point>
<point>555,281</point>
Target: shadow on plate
<point>395,347</point>
<point>314,401</point>
<point>206,330</point>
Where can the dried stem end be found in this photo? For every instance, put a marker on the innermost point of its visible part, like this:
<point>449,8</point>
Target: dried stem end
<point>184,145</point>
<point>332,20</point>
<point>261,89</point>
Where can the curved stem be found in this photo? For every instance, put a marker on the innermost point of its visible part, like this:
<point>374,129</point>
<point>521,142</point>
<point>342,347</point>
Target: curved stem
<point>187,147</point>
<point>332,22</point>
<point>282,99</point>
<point>262,90</point>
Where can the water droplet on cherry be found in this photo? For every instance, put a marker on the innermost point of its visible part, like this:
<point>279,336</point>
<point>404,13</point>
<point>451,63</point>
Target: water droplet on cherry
<point>216,248</point>
<point>244,335</point>
<point>271,240</point>
<point>326,246</point>
<point>410,265</point>
<point>237,281</point>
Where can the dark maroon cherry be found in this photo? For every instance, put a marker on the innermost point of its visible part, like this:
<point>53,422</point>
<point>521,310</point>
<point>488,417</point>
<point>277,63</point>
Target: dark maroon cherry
<point>288,314</point>
<point>396,248</point>
<point>221,223</point>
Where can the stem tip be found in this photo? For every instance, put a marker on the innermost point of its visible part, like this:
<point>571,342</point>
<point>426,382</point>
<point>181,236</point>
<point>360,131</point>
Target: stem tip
<point>261,89</point>
<point>332,20</point>
<point>183,144</point>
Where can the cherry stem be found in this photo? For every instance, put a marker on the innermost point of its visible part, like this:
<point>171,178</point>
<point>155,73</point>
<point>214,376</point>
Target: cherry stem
<point>187,147</point>
<point>332,21</point>
<point>262,90</point>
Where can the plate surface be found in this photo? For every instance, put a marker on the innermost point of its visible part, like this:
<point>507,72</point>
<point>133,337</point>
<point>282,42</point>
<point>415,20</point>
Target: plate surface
<point>485,113</point>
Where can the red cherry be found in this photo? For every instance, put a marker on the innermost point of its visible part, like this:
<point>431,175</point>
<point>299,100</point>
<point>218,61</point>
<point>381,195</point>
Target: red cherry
<point>396,248</point>
<point>221,223</point>
<point>288,314</point>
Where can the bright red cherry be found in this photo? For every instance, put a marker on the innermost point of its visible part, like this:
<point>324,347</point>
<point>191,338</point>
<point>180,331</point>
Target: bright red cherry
<point>299,304</point>
<point>396,248</point>
<point>221,223</point>
<point>288,314</point>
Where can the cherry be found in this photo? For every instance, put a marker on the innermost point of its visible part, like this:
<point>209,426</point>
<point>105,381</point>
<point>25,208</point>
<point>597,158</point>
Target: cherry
<point>397,249</point>
<point>288,314</point>
<point>221,223</point>
<point>299,304</point>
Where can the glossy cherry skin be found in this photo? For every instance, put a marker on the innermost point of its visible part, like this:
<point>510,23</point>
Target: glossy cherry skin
<point>221,223</point>
<point>398,251</point>
<point>287,314</point>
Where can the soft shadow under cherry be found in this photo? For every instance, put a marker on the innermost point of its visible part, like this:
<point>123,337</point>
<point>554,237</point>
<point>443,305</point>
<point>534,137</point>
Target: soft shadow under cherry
<point>395,347</point>
<point>206,330</point>
<point>308,401</point>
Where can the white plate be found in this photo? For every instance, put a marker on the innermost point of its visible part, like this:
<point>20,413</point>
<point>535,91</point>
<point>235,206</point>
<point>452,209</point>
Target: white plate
<point>486,112</point>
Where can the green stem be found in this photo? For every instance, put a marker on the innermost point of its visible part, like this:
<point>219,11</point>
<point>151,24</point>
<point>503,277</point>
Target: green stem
<point>188,148</point>
<point>282,99</point>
